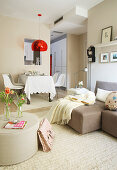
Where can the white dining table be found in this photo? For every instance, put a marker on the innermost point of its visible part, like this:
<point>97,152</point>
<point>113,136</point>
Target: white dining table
<point>37,84</point>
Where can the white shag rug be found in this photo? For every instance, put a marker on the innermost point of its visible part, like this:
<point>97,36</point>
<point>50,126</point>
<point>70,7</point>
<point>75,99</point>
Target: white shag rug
<point>72,151</point>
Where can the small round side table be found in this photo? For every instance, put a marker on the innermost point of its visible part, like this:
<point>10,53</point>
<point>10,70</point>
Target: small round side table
<point>18,145</point>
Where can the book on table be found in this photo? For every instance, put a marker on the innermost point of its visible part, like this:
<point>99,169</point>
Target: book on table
<point>18,125</point>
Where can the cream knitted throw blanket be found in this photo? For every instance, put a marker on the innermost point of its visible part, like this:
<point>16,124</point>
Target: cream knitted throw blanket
<point>60,112</point>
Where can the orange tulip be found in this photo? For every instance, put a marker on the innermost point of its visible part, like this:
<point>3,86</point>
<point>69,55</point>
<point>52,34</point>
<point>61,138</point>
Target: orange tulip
<point>12,92</point>
<point>7,90</point>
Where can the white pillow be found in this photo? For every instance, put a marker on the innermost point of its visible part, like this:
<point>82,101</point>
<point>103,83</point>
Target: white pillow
<point>102,94</point>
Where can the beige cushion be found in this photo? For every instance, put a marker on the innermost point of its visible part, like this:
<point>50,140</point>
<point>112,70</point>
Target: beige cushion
<point>102,94</point>
<point>111,101</point>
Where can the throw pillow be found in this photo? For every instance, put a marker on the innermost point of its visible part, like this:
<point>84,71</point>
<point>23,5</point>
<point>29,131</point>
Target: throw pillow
<point>102,94</point>
<point>111,101</point>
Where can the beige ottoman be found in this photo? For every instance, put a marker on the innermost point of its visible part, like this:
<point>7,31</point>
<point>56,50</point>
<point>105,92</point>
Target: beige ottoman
<point>85,119</point>
<point>109,122</point>
<point>17,145</point>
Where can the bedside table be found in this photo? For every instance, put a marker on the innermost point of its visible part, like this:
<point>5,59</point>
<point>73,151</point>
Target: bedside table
<point>74,91</point>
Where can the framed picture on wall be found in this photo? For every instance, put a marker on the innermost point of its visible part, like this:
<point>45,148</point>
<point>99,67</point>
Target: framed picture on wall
<point>113,57</point>
<point>104,58</point>
<point>107,34</point>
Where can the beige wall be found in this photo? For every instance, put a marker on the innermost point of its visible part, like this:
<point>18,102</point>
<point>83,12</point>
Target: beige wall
<point>99,17</point>
<point>72,59</point>
<point>83,58</point>
<point>12,34</point>
<point>75,58</point>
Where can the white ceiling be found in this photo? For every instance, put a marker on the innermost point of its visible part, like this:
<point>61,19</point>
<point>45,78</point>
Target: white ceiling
<point>73,22</point>
<point>28,9</point>
<point>50,10</point>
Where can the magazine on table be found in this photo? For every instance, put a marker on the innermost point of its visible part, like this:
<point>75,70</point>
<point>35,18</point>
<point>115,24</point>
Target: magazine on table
<point>18,125</point>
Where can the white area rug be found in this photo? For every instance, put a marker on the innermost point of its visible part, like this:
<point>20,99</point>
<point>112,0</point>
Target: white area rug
<point>38,101</point>
<point>71,151</point>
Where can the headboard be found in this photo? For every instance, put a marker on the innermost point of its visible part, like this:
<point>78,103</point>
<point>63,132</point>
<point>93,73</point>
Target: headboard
<point>111,86</point>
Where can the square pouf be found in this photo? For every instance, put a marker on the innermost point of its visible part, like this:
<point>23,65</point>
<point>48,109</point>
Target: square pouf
<point>86,119</point>
<point>109,122</point>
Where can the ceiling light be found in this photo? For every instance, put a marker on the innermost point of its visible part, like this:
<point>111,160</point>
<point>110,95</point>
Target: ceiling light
<point>39,45</point>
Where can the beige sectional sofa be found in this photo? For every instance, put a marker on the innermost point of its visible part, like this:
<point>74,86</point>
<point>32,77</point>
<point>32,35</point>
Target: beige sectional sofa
<point>86,119</point>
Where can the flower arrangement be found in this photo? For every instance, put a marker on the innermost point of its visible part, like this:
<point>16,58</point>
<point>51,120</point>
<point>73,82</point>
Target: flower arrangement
<point>20,101</point>
<point>6,97</point>
<point>80,84</point>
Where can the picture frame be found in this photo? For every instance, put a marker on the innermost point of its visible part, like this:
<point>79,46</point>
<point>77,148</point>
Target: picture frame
<point>104,58</point>
<point>113,56</point>
<point>106,34</point>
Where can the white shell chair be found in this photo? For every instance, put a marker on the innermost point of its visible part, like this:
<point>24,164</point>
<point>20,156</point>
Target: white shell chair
<point>16,84</point>
<point>55,77</point>
<point>9,84</point>
<point>61,81</point>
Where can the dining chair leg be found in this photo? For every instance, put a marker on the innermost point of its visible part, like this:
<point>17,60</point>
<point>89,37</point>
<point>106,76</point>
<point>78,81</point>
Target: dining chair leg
<point>28,101</point>
<point>50,98</point>
<point>56,93</point>
<point>20,91</point>
<point>59,89</point>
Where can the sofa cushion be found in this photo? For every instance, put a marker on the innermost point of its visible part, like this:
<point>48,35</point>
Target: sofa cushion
<point>109,122</point>
<point>111,101</point>
<point>86,119</point>
<point>102,94</point>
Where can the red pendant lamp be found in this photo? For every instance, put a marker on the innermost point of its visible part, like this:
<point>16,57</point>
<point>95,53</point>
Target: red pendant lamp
<point>39,45</point>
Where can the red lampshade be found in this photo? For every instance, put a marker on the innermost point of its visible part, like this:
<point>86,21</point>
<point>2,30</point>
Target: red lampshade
<point>39,45</point>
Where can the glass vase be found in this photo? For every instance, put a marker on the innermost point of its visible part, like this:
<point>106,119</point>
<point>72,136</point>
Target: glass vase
<point>19,111</point>
<point>6,111</point>
<point>80,86</point>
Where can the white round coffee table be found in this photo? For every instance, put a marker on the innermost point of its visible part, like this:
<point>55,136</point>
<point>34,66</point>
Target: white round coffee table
<point>18,145</point>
